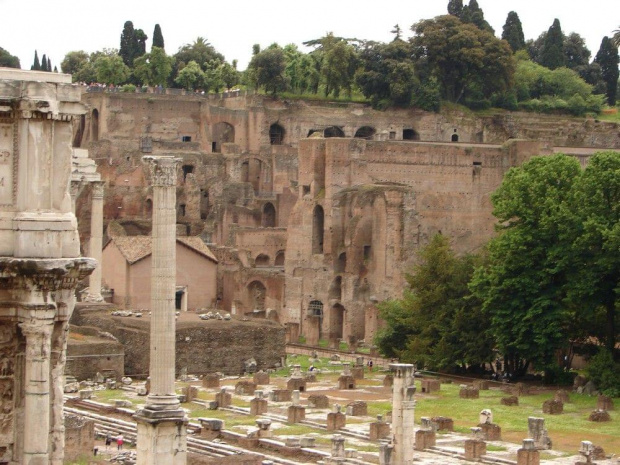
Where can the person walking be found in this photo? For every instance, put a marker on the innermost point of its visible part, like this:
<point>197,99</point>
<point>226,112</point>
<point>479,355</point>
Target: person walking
<point>119,442</point>
<point>108,441</point>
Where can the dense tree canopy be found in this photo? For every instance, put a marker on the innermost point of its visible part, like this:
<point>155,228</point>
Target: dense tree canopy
<point>110,69</point>
<point>153,68</point>
<point>133,44</point>
<point>552,53</point>
<point>7,60</point>
<point>158,37</point>
<point>513,32</point>
<point>607,59</point>
<point>269,66</point>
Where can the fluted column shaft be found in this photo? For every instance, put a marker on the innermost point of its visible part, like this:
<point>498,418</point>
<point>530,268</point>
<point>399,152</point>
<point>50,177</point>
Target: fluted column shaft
<point>402,413</point>
<point>96,240</point>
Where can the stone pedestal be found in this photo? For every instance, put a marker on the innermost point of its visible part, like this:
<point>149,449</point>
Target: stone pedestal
<point>335,421</point>
<point>469,392</point>
<point>379,430</point>
<point>538,433</point>
<point>280,395</point>
<point>161,440</point>
<point>211,381</point>
<point>223,398</point>
<point>346,382</point>
<point>357,409</point>
<point>430,385</point>
<point>562,396</point>
<point>474,449</point>
<point>211,428</point>
<point>296,413</point>
<point>245,388</point>
<point>553,407</point>
<point>481,384</point>
<point>424,439</point>
<point>528,455</point>
<point>357,372</point>
<point>604,403</point>
<point>258,406</point>
<point>318,401</point>
<point>491,431</point>
<point>338,450</point>
<point>403,409</point>
<point>261,378</point>
<point>388,381</point>
<point>510,401</point>
<point>296,384</point>
<point>443,423</point>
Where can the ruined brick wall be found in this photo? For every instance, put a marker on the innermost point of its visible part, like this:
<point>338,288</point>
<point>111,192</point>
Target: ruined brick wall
<point>88,355</point>
<point>79,437</point>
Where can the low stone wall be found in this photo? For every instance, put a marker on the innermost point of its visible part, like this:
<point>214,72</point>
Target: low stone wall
<point>87,355</point>
<point>79,437</point>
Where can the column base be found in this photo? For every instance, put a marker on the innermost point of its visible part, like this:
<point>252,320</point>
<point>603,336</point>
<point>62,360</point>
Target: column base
<point>93,298</point>
<point>162,437</point>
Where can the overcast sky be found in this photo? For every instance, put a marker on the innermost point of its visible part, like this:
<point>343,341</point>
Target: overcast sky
<point>55,27</point>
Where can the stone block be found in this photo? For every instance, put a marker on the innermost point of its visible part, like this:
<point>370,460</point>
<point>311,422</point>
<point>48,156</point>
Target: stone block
<point>336,421</point>
<point>261,378</point>
<point>346,382</point>
<point>296,413</point>
<point>245,388</point>
<point>211,428</point>
<point>443,423</point>
<point>296,384</point>
<point>379,430</point>
<point>537,431</point>
<point>510,401</point>
<point>86,393</point>
<point>223,399</point>
<point>553,407</point>
<point>604,403</point>
<point>388,381</point>
<point>292,441</point>
<point>562,396</point>
<point>481,384</point>
<point>425,439</point>
<point>190,393</point>
<point>357,409</point>
<point>520,389</point>
<point>307,442</point>
<point>469,392</point>
<point>258,406</point>
<point>430,385</point>
<point>491,431</point>
<point>318,401</point>
<point>357,372</point>
<point>475,449</point>
<point>280,395</point>
<point>211,381</point>
<point>599,416</point>
<point>310,377</point>
<point>528,457</point>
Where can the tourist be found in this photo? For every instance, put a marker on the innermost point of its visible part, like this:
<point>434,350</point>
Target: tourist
<point>370,365</point>
<point>119,442</point>
<point>108,441</point>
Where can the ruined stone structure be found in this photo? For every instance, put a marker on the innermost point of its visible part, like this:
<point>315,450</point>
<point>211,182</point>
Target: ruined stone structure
<point>40,263</point>
<point>315,211</point>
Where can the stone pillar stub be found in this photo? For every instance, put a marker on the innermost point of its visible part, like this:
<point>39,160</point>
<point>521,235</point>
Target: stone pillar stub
<point>96,241</point>
<point>162,434</point>
<point>403,409</point>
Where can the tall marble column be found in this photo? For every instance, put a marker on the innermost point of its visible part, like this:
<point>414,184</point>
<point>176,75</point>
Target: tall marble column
<point>403,407</point>
<point>162,423</point>
<point>96,241</point>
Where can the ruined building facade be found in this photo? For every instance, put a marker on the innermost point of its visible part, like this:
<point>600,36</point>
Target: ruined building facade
<point>314,211</point>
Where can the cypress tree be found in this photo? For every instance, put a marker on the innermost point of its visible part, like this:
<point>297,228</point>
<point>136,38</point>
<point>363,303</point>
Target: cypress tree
<point>140,44</point>
<point>513,32</point>
<point>44,63</point>
<point>476,16</point>
<point>455,8</point>
<point>128,44</point>
<point>552,53</point>
<point>36,66</point>
<point>607,58</point>
<point>49,64</point>
<point>158,38</point>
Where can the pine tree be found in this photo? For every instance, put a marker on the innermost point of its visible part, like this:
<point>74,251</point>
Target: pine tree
<point>128,44</point>
<point>552,53</point>
<point>158,38</point>
<point>513,32</point>
<point>44,63</point>
<point>141,38</point>
<point>49,64</point>
<point>36,66</point>
<point>397,31</point>
<point>455,8</point>
<point>607,58</point>
<point>476,16</point>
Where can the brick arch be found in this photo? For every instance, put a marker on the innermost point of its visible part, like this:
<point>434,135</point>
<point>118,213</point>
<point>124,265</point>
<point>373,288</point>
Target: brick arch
<point>262,260</point>
<point>365,132</point>
<point>221,133</point>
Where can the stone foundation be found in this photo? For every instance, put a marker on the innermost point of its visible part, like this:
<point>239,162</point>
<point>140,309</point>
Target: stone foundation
<point>258,406</point>
<point>379,430</point>
<point>296,384</point>
<point>491,431</point>
<point>335,421</point>
<point>604,403</point>
<point>318,401</point>
<point>430,385</point>
<point>261,378</point>
<point>510,401</point>
<point>474,449</point>
<point>553,407</point>
<point>211,381</point>
<point>346,382</point>
<point>280,395</point>
<point>357,409</point>
<point>245,388</point>
<point>296,413</point>
<point>424,439</point>
<point>469,392</point>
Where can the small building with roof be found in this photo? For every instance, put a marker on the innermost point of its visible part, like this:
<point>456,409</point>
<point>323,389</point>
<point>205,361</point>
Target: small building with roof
<point>126,271</point>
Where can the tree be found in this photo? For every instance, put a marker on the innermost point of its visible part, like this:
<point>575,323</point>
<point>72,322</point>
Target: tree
<point>268,67</point>
<point>438,323</point>
<point>397,31</point>
<point>607,58</point>
<point>462,57</point>
<point>576,53</point>
<point>200,51</point>
<point>523,287</point>
<point>44,63</point>
<point>455,8</point>
<point>616,38</point>
<point>158,38</point>
<point>133,44</point>
<point>111,70</point>
<point>36,65</point>
<point>513,32</point>
<point>153,69</point>
<point>230,75</point>
<point>472,13</point>
<point>339,66</point>
<point>49,64</point>
<point>552,53</point>
<point>74,61</point>
<point>7,60</point>
<point>191,76</point>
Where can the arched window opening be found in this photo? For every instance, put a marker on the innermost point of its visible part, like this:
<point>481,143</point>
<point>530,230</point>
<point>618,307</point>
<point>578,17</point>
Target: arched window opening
<point>318,222</point>
<point>95,125</point>
<point>223,133</point>
<point>315,308</point>
<point>312,131</point>
<point>335,290</point>
<point>280,258</point>
<point>333,131</point>
<point>187,169</point>
<point>276,134</point>
<point>341,263</point>
<point>410,134</point>
<point>269,216</point>
<point>336,330</point>
<point>257,293</point>
<point>455,137</point>
<point>262,260</point>
<point>365,132</point>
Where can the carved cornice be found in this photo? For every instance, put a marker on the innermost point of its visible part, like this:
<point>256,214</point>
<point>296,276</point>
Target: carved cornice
<point>97,189</point>
<point>162,170</point>
<point>44,274</point>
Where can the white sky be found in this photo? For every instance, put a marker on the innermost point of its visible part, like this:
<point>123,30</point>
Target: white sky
<point>55,27</point>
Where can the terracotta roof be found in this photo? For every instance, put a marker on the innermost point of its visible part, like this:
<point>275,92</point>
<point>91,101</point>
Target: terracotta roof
<point>135,248</point>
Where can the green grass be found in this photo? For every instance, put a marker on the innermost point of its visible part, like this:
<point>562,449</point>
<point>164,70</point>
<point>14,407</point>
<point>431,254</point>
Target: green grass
<point>614,117</point>
<point>494,448</point>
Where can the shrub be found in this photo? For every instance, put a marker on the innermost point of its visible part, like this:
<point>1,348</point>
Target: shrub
<point>605,373</point>
<point>130,88</point>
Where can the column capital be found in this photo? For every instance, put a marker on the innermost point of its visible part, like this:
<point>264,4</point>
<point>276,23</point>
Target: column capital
<point>162,170</point>
<point>97,189</point>
<point>36,328</point>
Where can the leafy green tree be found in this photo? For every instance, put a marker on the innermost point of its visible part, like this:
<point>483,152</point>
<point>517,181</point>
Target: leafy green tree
<point>607,58</point>
<point>191,76</point>
<point>513,32</point>
<point>200,51</point>
<point>455,8</point>
<point>616,38</point>
<point>153,68</point>
<point>74,61</point>
<point>133,44</point>
<point>230,75</point>
<point>268,67</point>
<point>438,323</point>
<point>472,13</point>
<point>111,70</point>
<point>7,60</point>
<point>36,65</point>
<point>397,31</point>
<point>339,66</point>
<point>576,53</point>
<point>552,53</point>
<point>523,287</point>
<point>158,38</point>
<point>463,57</point>
<point>213,79</point>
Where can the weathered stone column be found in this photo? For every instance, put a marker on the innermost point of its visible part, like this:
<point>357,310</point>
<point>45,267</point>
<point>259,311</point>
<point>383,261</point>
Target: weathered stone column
<point>37,391</point>
<point>96,241</point>
<point>403,408</point>
<point>162,423</point>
